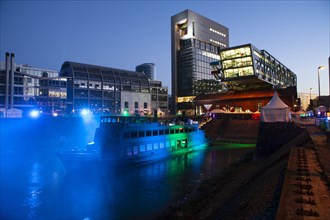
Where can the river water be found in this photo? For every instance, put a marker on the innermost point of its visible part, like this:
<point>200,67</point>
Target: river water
<point>35,185</point>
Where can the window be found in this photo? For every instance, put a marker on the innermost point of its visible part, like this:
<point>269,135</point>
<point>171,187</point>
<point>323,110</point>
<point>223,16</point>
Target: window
<point>155,146</point>
<point>149,146</point>
<point>126,104</point>
<point>141,133</point>
<point>145,105</point>
<point>136,104</point>
<point>155,133</point>
<point>142,148</point>
<point>134,134</point>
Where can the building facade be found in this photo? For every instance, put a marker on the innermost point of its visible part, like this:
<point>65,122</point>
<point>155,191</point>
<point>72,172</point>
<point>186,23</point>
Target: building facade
<point>306,100</point>
<point>24,87</point>
<point>149,69</point>
<point>195,43</point>
<point>159,97</point>
<point>105,90</point>
<point>246,67</point>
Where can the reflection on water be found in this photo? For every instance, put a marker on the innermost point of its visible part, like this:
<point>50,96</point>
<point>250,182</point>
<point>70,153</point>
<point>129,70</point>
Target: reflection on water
<point>36,185</point>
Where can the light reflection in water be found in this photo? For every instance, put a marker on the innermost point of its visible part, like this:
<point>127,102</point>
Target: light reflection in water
<point>134,192</point>
<point>32,202</point>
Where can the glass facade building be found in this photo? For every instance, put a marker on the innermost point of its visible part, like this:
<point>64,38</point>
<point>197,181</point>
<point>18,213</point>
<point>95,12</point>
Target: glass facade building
<point>105,90</point>
<point>246,67</point>
<point>195,42</point>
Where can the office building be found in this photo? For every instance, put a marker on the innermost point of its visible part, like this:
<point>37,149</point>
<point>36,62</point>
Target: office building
<point>195,43</point>
<point>251,76</point>
<point>24,87</point>
<point>246,67</point>
<point>149,69</point>
<point>105,90</point>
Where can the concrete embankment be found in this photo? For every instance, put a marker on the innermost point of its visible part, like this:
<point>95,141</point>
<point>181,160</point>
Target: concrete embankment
<point>232,130</point>
<point>252,187</point>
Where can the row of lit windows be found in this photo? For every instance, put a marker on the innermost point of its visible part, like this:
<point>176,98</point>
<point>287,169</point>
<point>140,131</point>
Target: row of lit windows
<point>217,32</point>
<point>217,42</point>
<point>234,53</point>
<point>170,145</point>
<point>149,133</point>
<point>238,72</point>
<point>240,62</point>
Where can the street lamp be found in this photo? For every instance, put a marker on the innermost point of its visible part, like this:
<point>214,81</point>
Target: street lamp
<point>318,75</point>
<point>310,96</point>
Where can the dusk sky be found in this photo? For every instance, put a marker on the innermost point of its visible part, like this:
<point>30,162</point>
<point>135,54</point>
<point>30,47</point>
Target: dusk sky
<point>124,34</point>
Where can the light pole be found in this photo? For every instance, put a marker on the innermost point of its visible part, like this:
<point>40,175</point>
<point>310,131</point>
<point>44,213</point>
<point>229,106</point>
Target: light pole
<point>310,97</point>
<point>318,77</point>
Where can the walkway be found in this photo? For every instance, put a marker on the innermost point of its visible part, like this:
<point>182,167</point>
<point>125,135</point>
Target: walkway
<point>306,190</point>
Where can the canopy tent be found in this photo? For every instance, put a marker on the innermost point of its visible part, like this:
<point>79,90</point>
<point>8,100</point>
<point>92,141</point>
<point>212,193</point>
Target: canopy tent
<point>275,111</point>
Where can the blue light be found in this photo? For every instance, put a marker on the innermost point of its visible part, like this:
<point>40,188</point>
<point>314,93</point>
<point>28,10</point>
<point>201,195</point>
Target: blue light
<point>34,113</point>
<point>85,112</point>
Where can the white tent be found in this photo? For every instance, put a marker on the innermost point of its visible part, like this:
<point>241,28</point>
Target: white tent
<point>275,111</point>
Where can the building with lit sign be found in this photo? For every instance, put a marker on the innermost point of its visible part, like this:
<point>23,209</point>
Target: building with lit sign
<point>195,43</point>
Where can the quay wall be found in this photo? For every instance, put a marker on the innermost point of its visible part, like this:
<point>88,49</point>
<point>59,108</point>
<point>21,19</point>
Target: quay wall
<point>273,135</point>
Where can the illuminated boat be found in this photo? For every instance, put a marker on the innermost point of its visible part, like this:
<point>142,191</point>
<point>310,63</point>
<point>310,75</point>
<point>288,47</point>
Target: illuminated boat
<point>135,139</point>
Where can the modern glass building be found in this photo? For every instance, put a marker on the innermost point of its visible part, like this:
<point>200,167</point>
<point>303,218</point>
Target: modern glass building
<point>195,43</point>
<point>147,68</point>
<point>246,67</point>
<point>105,90</point>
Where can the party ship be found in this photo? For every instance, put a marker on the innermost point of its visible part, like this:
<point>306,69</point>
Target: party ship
<point>137,139</point>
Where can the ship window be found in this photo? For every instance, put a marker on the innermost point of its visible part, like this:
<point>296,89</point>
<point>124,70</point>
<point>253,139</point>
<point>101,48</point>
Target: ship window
<point>149,146</point>
<point>126,134</point>
<point>135,150</point>
<point>172,131</point>
<point>172,143</point>
<point>129,151</point>
<point>184,143</point>
<point>148,133</point>
<point>181,130</point>
<point>161,145</point>
<point>134,134</point>
<point>155,133</point>
<point>190,129</point>
<point>168,144</point>
<point>142,147</point>
<point>155,146</point>
<point>186,130</point>
<point>161,132</point>
<point>141,133</point>
<point>177,130</point>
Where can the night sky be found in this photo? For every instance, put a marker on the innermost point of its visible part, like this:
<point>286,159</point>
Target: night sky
<point>123,34</point>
